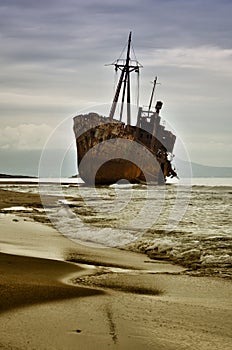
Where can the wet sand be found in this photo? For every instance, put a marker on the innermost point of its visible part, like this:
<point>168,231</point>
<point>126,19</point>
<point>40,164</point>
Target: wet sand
<point>115,300</point>
<point>27,280</point>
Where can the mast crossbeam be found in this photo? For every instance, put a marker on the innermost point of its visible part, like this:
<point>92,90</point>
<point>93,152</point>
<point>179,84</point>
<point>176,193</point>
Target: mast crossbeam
<point>126,66</point>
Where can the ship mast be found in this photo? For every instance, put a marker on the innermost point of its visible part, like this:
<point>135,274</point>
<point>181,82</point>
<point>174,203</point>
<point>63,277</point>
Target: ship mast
<point>126,67</point>
<point>152,95</point>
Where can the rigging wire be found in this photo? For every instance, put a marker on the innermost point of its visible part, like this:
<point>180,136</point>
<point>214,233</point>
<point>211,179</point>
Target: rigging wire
<point>134,52</point>
<point>115,80</point>
<point>138,77</point>
<point>138,63</point>
<point>123,50</point>
<point>116,69</point>
<point>138,89</point>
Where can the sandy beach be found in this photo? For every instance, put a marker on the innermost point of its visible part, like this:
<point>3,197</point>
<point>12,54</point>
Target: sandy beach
<point>110,299</point>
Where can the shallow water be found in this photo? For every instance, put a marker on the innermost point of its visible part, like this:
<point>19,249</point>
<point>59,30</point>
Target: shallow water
<point>187,224</point>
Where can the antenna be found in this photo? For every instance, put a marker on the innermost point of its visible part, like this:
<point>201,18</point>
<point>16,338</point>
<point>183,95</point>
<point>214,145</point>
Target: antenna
<point>152,94</point>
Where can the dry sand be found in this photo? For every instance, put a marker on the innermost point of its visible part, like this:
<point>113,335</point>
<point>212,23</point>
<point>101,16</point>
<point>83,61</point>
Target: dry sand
<point>45,306</point>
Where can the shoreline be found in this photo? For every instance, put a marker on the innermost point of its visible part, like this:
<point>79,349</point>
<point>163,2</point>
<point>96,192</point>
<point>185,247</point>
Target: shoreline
<point>123,301</point>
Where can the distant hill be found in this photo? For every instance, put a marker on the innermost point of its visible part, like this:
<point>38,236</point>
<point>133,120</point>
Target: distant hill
<point>7,176</point>
<point>199,170</point>
<point>210,171</point>
<point>183,169</point>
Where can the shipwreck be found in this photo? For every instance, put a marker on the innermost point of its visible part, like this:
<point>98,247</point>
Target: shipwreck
<point>110,150</point>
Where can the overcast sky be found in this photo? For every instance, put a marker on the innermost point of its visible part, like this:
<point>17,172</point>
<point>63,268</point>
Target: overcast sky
<point>53,56</point>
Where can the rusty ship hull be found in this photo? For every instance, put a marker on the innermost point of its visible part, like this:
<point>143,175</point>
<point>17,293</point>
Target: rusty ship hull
<point>108,152</point>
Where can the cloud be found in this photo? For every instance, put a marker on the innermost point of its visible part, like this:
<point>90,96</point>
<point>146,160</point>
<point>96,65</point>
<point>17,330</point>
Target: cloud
<point>24,136</point>
<point>202,57</point>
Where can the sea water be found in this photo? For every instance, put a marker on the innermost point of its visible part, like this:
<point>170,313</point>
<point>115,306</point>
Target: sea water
<point>188,223</point>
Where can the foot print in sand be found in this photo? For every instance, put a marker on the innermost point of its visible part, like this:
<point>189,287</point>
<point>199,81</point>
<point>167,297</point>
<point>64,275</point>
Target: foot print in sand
<point>76,331</point>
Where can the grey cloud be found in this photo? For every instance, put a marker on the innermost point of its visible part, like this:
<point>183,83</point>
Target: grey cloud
<point>53,54</point>
<point>38,31</point>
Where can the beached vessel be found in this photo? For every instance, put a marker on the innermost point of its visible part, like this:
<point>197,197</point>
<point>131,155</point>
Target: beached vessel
<point>110,150</point>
